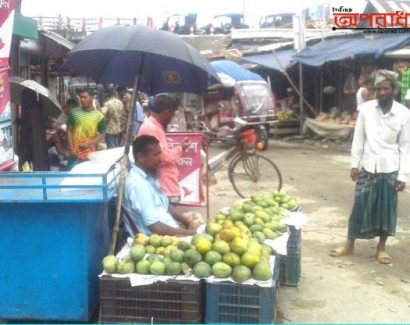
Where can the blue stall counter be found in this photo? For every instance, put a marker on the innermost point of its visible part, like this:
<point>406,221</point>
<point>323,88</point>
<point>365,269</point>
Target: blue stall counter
<point>55,230</point>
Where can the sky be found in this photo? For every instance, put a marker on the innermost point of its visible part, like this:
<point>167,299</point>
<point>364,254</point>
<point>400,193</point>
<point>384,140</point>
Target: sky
<point>160,9</point>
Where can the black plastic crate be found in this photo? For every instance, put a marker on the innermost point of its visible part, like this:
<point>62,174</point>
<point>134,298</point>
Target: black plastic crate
<point>173,301</point>
<point>290,268</point>
<point>228,302</point>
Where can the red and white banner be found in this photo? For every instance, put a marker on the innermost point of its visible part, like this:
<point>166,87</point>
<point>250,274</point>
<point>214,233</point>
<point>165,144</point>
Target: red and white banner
<point>189,166</point>
<point>4,89</point>
<point>7,8</point>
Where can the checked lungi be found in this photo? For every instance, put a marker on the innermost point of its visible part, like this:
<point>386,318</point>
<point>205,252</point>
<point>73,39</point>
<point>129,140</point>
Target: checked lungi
<point>374,211</point>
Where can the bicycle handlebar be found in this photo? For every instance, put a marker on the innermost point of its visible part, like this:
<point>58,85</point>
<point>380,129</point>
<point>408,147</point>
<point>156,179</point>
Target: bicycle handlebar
<point>239,124</point>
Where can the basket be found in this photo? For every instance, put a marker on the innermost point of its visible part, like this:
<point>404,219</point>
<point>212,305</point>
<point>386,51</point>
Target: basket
<point>249,136</point>
<point>228,302</point>
<point>161,302</point>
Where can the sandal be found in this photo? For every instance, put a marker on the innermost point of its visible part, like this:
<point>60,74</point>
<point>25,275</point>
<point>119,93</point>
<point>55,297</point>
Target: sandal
<point>383,258</point>
<point>341,251</point>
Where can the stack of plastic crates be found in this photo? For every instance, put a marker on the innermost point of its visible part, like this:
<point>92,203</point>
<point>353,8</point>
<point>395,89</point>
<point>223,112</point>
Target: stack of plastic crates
<point>173,301</point>
<point>228,302</point>
<point>290,265</point>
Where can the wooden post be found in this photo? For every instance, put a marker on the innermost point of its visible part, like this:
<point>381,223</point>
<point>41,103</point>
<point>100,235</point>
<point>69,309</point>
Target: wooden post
<point>302,116</point>
<point>321,90</point>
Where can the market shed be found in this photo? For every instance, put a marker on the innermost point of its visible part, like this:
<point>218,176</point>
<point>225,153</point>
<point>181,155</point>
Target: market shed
<point>360,46</point>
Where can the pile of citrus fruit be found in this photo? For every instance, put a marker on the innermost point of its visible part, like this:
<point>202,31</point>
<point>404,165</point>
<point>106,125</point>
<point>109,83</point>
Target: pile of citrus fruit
<point>233,244</point>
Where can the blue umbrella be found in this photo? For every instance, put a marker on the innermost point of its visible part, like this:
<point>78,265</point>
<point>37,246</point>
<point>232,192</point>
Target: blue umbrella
<point>162,60</point>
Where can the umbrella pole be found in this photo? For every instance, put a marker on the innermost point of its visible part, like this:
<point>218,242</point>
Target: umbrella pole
<point>124,163</point>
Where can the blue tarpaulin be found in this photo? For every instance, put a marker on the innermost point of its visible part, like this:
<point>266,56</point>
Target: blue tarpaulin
<point>268,60</point>
<point>235,71</point>
<point>351,47</point>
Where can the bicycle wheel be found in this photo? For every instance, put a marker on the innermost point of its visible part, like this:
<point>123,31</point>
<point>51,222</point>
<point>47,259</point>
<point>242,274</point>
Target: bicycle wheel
<point>254,174</point>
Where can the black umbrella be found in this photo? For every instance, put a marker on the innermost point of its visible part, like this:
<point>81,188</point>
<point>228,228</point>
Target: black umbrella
<point>149,60</point>
<point>51,107</point>
<point>162,60</point>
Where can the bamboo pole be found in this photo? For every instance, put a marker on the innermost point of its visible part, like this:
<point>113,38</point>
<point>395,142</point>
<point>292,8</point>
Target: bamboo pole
<point>294,87</point>
<point>301,111</point>
<point>124,162</point>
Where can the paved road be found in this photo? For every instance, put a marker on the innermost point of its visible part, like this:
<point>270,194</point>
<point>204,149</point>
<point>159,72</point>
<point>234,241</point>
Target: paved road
<point>348,289</point>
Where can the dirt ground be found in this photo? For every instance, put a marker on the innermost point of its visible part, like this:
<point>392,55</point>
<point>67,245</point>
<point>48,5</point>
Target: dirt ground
<point>353,289</point>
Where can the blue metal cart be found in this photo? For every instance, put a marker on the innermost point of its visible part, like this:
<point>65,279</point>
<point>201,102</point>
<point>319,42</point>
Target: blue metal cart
<point>55,229</point>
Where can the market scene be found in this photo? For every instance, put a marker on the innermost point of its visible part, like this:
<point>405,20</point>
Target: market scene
<point>231,161</point>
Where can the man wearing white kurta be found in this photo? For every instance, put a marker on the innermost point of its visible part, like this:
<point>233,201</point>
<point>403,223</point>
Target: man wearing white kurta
<point>380,165</point>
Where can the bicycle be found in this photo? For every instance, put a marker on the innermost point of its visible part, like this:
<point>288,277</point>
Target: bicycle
<point>249,172</point>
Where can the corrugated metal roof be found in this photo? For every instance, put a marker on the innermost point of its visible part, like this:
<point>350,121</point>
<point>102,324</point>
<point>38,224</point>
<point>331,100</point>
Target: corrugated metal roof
<point>58,39</point>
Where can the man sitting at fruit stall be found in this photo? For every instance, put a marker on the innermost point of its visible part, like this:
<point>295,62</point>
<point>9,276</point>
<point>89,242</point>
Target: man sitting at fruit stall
<point>147,209</point>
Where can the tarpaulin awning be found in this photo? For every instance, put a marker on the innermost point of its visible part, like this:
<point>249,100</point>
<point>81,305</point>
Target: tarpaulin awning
<point>270,60</point>
<point>25,27</point>
<point>351,47</point>
<point>235,71</point>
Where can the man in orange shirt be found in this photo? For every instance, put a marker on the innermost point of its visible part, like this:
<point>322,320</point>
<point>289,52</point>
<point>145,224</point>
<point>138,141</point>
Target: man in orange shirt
<point>162,112</point>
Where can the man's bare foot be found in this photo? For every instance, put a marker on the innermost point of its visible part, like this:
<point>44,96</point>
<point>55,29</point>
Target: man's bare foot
<point>341,251</point>
<point>383,257</point>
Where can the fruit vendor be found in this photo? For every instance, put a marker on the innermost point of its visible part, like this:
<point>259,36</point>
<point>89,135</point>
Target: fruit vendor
<point>162,111</point>
<point>147,208</point>
<point>381,148</point>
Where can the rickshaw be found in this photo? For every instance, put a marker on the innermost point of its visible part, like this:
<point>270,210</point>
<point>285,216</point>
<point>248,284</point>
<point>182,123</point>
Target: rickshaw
<point>245,95</point>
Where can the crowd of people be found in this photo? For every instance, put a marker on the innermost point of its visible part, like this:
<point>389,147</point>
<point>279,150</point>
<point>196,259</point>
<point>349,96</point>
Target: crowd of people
<point>152,186</point>
<point>85,126</point>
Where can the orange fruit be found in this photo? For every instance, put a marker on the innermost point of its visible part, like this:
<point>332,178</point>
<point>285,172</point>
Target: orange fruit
<point>260,146</point>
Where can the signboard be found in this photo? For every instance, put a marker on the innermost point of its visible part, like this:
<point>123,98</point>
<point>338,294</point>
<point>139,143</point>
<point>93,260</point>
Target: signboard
<point>6,30</point>
<point>189,166</point>
<point>4,90</point>
<point>7,8</point>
